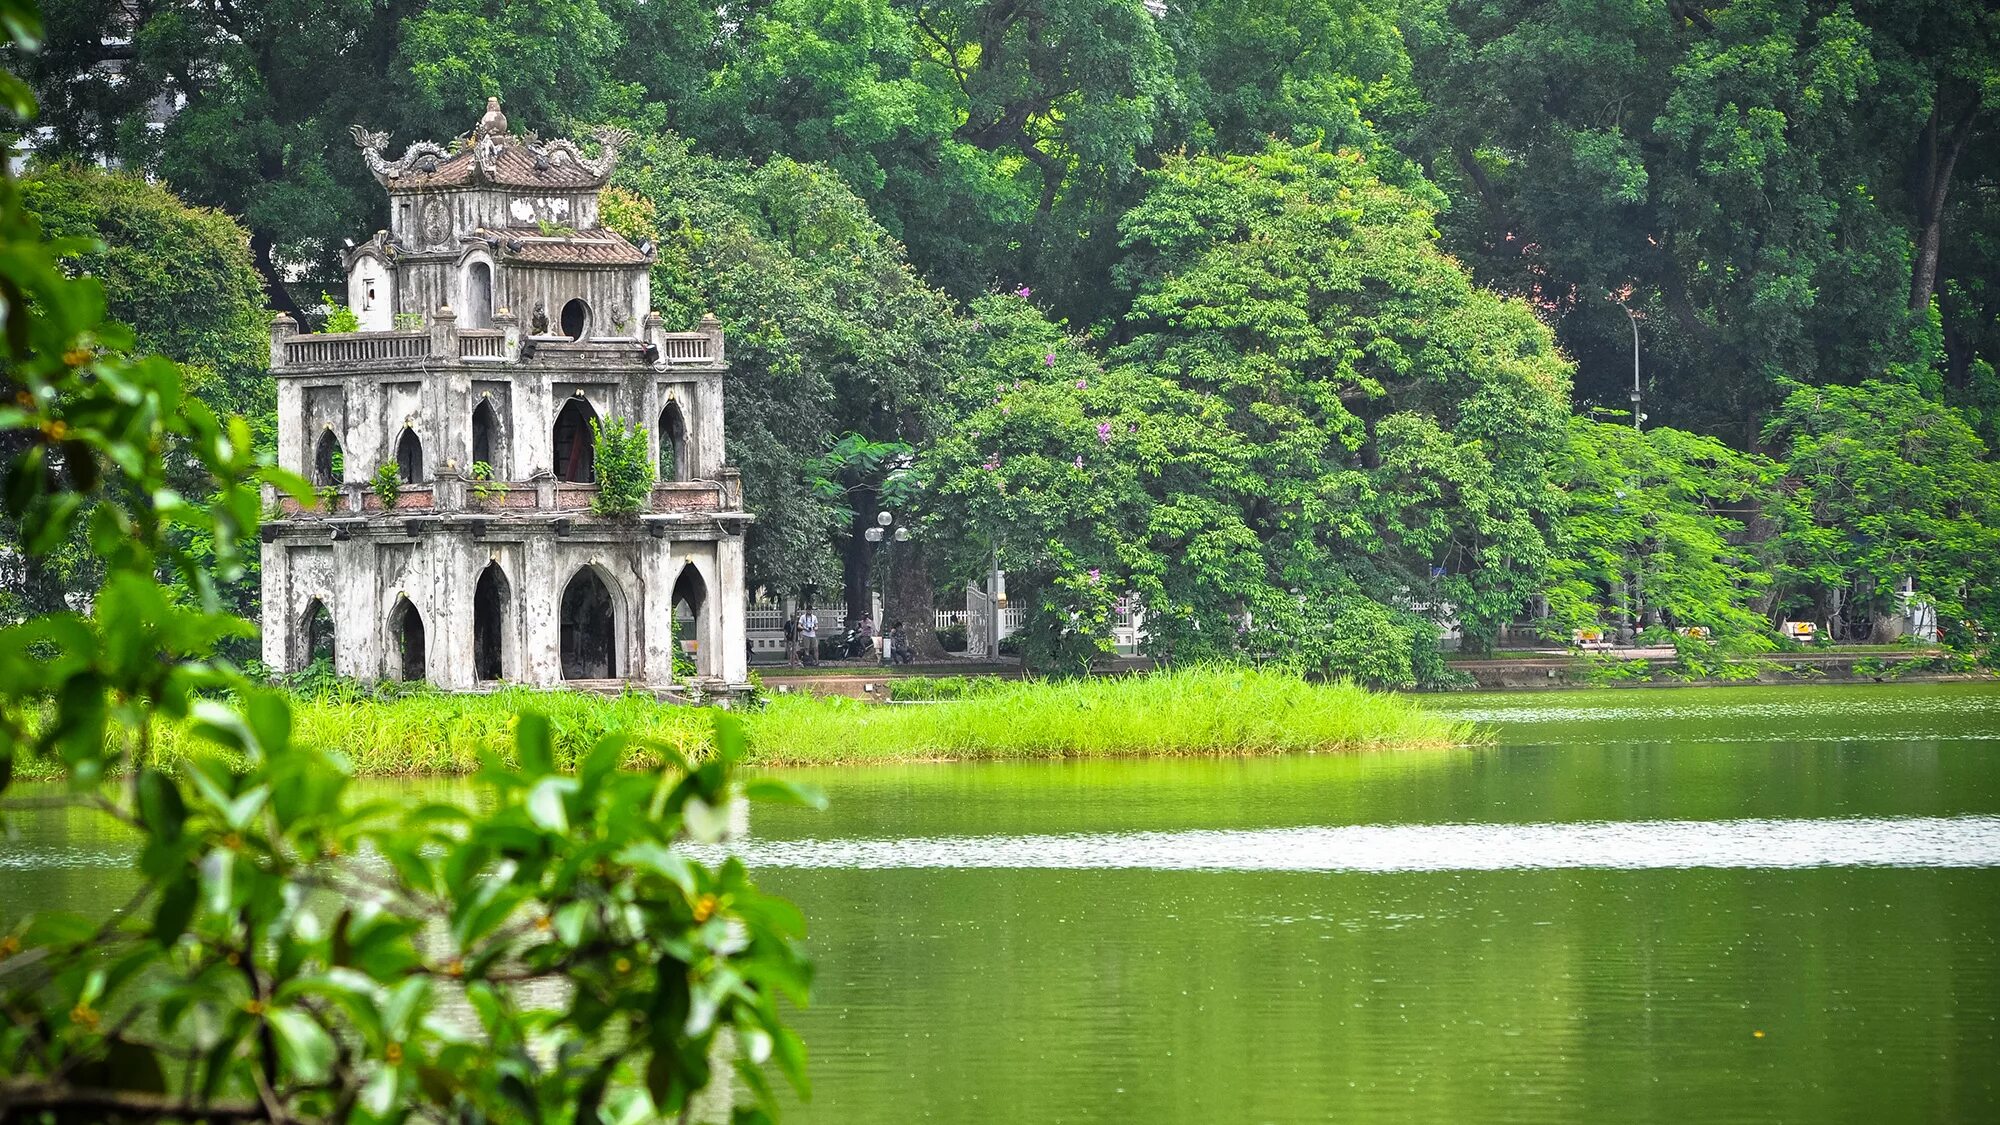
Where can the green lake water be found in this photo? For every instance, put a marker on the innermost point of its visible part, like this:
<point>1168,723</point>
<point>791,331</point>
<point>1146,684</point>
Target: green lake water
<point>1589,920</point>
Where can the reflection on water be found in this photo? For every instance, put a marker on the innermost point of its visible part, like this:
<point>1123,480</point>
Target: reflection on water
<point>1589,921</point>
<point>1966,841</point>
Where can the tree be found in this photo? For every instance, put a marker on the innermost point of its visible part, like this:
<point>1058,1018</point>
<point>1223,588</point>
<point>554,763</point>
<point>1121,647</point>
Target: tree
<point>830,330</point>
<point>1884,486</point>
<point>184,274</point>
<point>260,973</point>
<point>1317,432</point>
<point>1754,171</point>
<point>1654,534</point>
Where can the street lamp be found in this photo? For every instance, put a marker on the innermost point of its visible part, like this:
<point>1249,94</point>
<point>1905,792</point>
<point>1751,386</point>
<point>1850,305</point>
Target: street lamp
<point>1634,318</point>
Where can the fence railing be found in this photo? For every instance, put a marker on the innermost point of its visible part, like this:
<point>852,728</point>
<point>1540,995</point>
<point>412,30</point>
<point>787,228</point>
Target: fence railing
<point>355,347</point>
<point>482,343</point>
<point>685,347</point>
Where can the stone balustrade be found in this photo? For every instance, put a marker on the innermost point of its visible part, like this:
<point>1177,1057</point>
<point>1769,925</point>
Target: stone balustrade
<point>329,348</point>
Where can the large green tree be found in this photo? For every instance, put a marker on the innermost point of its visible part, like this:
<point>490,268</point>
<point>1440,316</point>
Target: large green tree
<point>1758,179</point>
<point>1885,486</point>
<point>830,333</point>
<point>1320,439</point>
<point>183,275</point>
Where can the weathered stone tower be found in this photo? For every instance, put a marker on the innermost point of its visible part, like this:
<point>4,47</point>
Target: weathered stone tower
<point>499,320</point>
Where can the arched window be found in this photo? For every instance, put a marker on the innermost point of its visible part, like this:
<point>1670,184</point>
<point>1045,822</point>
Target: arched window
<point>576,449</point>
<point>328,461</point>
<point>409,457</point>
<point>406,626</point>
<point>478,295</point>
<point>318,634</point>
<point>486,435</point>
<point>490,600</point>
<point>690,593</point>
<point>589,629</point>
<point>676,460</point>
<point>575,318</point>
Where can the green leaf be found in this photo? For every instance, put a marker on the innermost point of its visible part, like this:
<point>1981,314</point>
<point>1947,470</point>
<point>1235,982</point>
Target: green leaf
<point>161,809</point>
<point>533,744</point>
<point>545,803</point>
<point>304,1046</point>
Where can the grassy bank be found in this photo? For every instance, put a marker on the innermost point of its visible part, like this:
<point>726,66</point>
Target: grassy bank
<point>1191,712</point>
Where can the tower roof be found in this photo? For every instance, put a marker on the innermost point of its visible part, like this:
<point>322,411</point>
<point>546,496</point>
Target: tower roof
<point>489,157</point>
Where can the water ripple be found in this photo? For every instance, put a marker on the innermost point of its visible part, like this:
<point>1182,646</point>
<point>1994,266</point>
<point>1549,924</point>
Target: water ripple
<point>1962,841</point>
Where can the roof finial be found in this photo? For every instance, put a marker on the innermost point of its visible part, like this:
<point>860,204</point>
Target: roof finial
<point>494,123</point>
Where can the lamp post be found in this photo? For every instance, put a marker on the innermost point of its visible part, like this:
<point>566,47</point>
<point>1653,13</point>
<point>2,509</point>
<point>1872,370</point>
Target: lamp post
<point>1637,417</point>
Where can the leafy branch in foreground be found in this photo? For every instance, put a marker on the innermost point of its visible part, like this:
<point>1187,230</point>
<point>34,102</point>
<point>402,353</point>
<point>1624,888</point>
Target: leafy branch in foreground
<point>290,953</point>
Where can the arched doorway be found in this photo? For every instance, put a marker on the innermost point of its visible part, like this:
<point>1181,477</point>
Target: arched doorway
<point>675,459</point>
<point>690,595</point>
<point>490,599</point>
<point>409,457</point>
<point>486,436</point>
<point>406,626</point>
<point>576,449</point>
<point>589,628</point>
<point>478,295</point>
<point>316,634</point>
<point>329,463</point>
<point>575,318</point>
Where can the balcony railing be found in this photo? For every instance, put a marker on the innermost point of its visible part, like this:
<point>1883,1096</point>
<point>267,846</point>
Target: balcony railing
<point>482,343</point>
<point>328,348</point>
<point>686,347</point>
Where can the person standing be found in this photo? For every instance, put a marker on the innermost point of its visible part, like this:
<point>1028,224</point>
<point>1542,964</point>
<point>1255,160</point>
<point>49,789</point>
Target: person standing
<point>792,641</point>
<point>809,637</point>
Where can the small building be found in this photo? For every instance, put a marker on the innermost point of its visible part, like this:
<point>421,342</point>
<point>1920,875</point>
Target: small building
<point>499,321</point>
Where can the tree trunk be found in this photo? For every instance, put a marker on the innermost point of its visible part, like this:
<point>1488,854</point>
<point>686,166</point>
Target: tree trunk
<point>274,282</point>
<point>1937,156</point>
<point>909,599</point>
<point>858,560</point>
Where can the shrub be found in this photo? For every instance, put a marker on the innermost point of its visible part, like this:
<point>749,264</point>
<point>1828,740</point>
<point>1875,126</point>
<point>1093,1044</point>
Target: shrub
<point>387,484</point>
<point>624,468</point>
<point>339,318</point>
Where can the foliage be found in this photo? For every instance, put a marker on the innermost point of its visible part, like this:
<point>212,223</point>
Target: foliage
<point>830,329</point>
<point>1883,485</point>
<point>339,318</point>
<point>1654,534</point>
<point>1756,178</point>
<point>259,972</point>
<point>484,488</point>
<point>387,485</point>
<point>624,468</point>
<point>1315,410</point>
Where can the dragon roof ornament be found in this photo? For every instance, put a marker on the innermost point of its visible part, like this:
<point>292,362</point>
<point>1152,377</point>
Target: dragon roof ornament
<point>490,157</point>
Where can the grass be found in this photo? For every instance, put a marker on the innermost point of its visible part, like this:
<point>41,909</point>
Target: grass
<point>1211,711</point>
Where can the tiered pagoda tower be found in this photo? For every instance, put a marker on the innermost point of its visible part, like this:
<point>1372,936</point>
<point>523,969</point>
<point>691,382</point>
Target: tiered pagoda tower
<point>499,321</point>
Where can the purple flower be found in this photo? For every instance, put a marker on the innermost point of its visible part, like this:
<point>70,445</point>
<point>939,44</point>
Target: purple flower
<point>1104,432</point>
<point>1082,384</point>
<point>1093,574</point>
<point>1024,292</point>
<point>991,464</point>
<point>1079,460</point>
<point>1134,427</point>
<point>1049,360</point>
<point>1006,410</point>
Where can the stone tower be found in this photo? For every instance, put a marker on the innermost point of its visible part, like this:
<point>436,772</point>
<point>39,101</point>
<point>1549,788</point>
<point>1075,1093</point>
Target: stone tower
<point>498,321</point>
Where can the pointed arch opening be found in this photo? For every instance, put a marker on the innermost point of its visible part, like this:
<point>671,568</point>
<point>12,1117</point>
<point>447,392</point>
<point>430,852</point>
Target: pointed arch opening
<point>589,628</point>
<point>689,598</point>
<point>675,460</point>
<point>316,634</point>
<point>406,627</point>
<point>409,457</point>
<point>576,449</point>
<point>329,462</point>
<point>478,295</point>
<point>486,436</point>
<point>491,599</point>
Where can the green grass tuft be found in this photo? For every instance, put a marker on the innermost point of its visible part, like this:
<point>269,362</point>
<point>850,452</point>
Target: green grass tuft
<point>1200,711</point>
